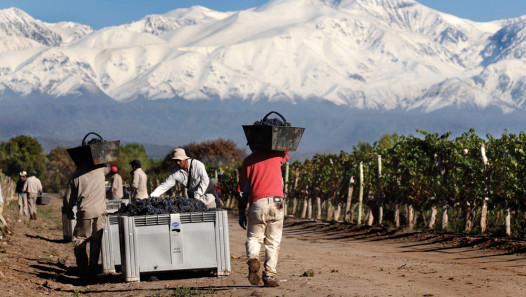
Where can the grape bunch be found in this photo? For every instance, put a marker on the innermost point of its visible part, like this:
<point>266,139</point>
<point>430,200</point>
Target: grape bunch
<point>271,122</point>
<point>156,205</point>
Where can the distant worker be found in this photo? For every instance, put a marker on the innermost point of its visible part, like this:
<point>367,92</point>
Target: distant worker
<point>139,182</point>
<point>192,174</point>
<point>23,207</point>
<point>116,184</point>
<point>33,188</point>
<point>261,180</point>
<point>3,224</point>
<point>86,189</point>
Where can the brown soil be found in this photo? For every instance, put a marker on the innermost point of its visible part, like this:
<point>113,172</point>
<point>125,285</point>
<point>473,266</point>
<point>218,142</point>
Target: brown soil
<point>317,259</point>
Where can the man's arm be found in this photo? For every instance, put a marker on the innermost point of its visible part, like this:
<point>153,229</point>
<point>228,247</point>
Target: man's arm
<point>24,188</point>
<point>70,197</point>
<point>168,183</point>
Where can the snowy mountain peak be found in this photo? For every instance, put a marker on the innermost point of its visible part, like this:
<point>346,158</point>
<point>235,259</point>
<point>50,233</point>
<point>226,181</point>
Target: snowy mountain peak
<point>16,23</point>
<point>369,54</point>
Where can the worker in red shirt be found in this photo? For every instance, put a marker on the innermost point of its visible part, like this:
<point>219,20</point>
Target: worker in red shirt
<point>261,184</point>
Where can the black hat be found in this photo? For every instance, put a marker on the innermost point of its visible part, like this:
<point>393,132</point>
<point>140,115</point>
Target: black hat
<point>136,163</point>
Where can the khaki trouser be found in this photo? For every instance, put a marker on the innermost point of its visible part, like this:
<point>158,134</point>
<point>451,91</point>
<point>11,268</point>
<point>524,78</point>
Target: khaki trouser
<point>23,207</point>
<point>265,226</point>
<point>88,231</point>
<point>32,204</point>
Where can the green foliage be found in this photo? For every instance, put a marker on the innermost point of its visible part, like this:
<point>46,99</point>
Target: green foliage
<point>59,168</point>
<point>22,153</point>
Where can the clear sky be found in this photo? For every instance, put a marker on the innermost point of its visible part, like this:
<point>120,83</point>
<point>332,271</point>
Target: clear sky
<point>103,13</point>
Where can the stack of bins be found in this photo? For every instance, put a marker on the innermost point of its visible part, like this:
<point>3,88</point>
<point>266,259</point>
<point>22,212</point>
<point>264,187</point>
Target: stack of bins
<point>110,249</point>
<point>170,242</point>
<point>110,252</point>
<point>68,225</point>
<point>113,205</point>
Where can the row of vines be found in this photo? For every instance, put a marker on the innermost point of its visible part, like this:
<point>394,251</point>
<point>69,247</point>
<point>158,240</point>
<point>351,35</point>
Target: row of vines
<point>430,181</point>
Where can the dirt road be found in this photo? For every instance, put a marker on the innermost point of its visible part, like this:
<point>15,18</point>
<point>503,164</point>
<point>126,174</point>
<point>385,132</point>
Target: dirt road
<point>317,259</point>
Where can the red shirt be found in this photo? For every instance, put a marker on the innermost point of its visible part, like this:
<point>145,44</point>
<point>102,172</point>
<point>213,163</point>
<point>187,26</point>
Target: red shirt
<point>262,172</point>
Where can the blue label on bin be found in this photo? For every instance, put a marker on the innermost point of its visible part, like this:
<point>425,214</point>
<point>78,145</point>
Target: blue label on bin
<point>175,224</point>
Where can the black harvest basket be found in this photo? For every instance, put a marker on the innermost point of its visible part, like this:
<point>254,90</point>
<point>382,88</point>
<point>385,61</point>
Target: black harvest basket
<point>273,138</point>
<point>98,153</point>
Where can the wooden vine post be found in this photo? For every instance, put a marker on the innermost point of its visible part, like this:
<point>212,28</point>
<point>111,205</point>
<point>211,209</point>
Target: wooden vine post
<point>294,199</point>
<point>286,188</point>
<point>347,217</point>
<point>507,209</point>
<point>484,211</point>
<point>360,195</point>
<point>380,196</point>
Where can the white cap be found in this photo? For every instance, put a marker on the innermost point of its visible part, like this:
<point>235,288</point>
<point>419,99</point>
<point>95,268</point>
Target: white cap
<point>23,173</point>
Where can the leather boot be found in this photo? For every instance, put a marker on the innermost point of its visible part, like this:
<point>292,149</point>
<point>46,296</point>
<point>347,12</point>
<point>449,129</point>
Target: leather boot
<point>253,269</point>
<point>270,281</point>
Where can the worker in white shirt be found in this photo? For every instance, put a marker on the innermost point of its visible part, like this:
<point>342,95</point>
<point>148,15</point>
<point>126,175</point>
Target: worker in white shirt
<point>192,174</point>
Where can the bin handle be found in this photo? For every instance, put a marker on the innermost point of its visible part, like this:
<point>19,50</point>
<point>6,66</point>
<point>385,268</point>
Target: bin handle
<point>84,140</point>
<point>284,121</point>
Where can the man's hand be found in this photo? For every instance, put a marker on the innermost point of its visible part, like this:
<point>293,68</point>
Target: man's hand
<point>243,220</point>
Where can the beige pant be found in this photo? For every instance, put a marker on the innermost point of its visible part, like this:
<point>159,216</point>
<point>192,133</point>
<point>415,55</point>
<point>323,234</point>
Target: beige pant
<point>265,226</point>
<point>32,203</point>
<point>23,207</point>
<point>88,231</point>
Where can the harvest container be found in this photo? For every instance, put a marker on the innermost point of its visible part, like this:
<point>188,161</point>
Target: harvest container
<point>43,200</point>
<point>88,155</point>
<point>273,138</point>
<point>110,249</point>
<point>171,242</point>
<point>68,225</point>
<point>113,205</point>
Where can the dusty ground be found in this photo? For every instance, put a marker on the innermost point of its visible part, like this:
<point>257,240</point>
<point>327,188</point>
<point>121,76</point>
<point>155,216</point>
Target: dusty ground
<point>317,259</point>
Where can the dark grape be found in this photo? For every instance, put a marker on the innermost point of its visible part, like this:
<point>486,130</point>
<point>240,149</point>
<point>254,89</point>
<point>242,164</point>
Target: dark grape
<point>156,205</point>
<point>271,122</point>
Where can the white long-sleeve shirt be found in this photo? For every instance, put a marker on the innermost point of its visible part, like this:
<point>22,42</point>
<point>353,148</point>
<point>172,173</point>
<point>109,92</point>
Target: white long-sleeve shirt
<point>198,182</point>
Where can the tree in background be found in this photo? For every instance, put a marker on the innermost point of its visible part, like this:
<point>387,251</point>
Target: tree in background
<point>219,152</point>
<point>59,168</point>
<point>215,152</point>
<point>22,153</point>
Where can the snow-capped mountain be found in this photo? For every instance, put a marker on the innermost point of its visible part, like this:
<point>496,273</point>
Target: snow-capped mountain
<point>364,54</point>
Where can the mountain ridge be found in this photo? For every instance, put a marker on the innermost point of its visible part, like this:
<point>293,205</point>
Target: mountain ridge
<point>364,54</point>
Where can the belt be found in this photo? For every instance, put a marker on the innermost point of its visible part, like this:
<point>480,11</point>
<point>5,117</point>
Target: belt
<point>277,199</point>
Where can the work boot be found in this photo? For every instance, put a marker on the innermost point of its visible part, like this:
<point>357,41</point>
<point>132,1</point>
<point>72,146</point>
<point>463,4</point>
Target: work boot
<point>253,269</point>
<point>270,281</point>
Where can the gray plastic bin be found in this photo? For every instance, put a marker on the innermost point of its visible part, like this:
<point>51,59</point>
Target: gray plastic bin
<point>68,226</point>
<point>171,242</point>
<point>110,249</point>
<point>113,205</point>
